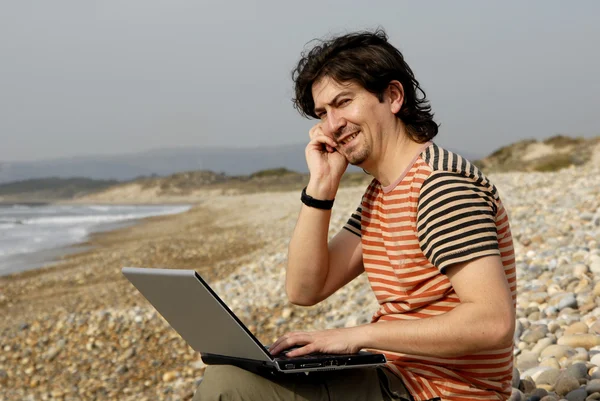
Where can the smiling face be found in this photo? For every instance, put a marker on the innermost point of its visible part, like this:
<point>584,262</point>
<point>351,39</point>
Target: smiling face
<point>354,118</point>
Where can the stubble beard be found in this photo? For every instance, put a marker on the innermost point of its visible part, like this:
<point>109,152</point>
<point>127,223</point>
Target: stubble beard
<point>358,155</point>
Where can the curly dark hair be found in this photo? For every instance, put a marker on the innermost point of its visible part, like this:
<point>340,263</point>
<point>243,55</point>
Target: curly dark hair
<point>368,59</point>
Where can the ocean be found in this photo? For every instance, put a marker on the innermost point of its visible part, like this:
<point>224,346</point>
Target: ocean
<point>35,235</point>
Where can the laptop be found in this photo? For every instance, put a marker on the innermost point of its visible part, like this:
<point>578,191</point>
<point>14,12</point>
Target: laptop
<point>203,320</point>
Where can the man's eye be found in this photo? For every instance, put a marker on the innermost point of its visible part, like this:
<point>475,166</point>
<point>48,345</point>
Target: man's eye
<point>344,102</point>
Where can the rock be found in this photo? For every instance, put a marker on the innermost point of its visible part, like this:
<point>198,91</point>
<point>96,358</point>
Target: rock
<point>527,385</point>
<point>549,398</point>
<point>3,377</point>
<point>593,386</point>
<point>577,395</point>
<point>566,384</point>
<point>516,378</point>
<point>130,353</point>
<point>286,313</point>
<point>539,393</point>
<point>586,341</point>
<point>568,301</point>
<point>535,333</point>
<point>577,370</point>
<point>516,395</point>
<point>542,345</point>
<point>595,328</point>
<point>170,376</point>
<point>548,376</point>
<point>595,360</point>
<point>535,372</point>
<point>527,360</point>
<point>550,362</point>
<point>558,351</point>
<point>577,328</point>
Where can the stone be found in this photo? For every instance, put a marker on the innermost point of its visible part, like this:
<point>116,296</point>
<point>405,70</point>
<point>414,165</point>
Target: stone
<point>593,386</point>
<point>577,328</point>
<point>558,351</point>
<point>595,328</point>
<point>516,395</point>
<point>595,359</point>
<point>542,345</point>
<point>516,378</point>
<point>549,398</point>
<point>578,394</point>
<point>569,301</point>
<point>577,370</point>
<point>550,362</point>
<point>586,341</point>
<point>3,377</point>
<point>548,376</point>
<point>527,385</point>
<point>527,360</point>
<point>566,384</point>
<point>170,376</point>
<point>539,393</point>
<point>534,373</point>
<point>535,333</point>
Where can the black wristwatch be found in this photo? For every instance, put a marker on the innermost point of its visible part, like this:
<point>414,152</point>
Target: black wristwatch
<point>316,203</point>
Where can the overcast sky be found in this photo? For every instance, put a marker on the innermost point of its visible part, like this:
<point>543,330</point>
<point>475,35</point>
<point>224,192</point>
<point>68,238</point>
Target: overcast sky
<point>106,77</point>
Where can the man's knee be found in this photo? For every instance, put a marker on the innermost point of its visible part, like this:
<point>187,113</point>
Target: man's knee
<point>228,383</point>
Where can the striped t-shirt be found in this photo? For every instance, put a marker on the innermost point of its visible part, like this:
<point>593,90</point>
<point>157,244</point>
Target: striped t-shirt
<point>441,211</point>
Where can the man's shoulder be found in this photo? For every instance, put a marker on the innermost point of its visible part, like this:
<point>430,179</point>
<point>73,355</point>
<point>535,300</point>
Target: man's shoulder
<point>441,161</point>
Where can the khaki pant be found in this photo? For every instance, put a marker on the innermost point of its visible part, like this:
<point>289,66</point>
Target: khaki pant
<point>226,382</point>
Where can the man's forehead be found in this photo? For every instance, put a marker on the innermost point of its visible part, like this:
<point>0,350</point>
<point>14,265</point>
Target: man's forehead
<point>326,89</point>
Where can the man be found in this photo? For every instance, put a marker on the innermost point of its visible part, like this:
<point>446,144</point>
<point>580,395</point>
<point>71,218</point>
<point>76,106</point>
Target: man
<point>431,233</point>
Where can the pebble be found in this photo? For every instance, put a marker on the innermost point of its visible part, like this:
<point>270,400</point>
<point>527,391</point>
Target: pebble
<point>106,341</point>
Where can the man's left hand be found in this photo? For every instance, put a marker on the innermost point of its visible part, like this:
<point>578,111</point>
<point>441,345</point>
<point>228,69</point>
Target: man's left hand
<point>335,341</point>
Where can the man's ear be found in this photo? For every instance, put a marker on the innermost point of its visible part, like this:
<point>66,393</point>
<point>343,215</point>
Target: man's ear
<point>395,92</point>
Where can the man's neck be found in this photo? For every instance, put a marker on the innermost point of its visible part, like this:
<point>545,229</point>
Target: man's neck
<point>396,154</point>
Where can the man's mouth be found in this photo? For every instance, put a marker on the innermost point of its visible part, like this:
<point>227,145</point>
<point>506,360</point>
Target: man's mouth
<point>344,141</point>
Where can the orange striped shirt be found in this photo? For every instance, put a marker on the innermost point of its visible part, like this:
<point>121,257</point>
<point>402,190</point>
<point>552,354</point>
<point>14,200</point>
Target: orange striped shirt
<point>441,211</point>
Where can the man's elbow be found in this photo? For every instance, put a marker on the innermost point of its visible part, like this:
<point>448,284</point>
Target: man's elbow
<point>299,297</point>
<point>503,332</point>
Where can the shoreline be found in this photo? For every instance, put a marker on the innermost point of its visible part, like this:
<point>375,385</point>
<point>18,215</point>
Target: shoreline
<point>49,256</point>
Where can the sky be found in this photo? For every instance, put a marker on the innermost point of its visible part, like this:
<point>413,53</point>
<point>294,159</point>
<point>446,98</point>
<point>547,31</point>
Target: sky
<point>113,77</point>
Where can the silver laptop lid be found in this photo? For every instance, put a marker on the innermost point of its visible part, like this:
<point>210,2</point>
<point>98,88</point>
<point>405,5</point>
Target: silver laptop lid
<point>195,311</point>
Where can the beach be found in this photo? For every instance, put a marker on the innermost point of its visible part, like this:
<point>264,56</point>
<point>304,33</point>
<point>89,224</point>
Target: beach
<point>77,330</point>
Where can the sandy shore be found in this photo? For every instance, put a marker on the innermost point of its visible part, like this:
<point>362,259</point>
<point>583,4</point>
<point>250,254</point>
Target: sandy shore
<point>66,327</point>
<point>79,331</point>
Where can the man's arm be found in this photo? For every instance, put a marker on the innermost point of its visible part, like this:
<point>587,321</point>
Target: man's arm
<point>317,269</point>
<point>484,320</point>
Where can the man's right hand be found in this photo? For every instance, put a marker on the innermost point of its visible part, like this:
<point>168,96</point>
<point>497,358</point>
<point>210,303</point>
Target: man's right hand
<point>325,164</point>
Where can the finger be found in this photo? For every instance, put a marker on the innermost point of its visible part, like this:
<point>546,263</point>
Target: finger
<point>321,140</point>
<point>307,349</point>
<point>281,339</point>
<point>288,342</point>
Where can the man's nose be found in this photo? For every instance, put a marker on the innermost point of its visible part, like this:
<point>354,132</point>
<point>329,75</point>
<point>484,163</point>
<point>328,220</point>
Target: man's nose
<point>335,122</point>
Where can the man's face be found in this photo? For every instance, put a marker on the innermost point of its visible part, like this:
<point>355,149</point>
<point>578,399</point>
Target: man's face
<point>352,116</point>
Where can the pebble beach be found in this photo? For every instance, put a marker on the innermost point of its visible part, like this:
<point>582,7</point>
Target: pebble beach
<point>77,330</point>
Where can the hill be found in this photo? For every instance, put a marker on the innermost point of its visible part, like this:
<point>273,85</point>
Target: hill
<point>552,154</point>
<point>51,189</point>
<point>197,185</point>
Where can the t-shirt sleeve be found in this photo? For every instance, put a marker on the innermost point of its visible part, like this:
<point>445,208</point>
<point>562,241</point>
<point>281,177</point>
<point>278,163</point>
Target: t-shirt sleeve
<point>456,220</point>
<point>353,224</point>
